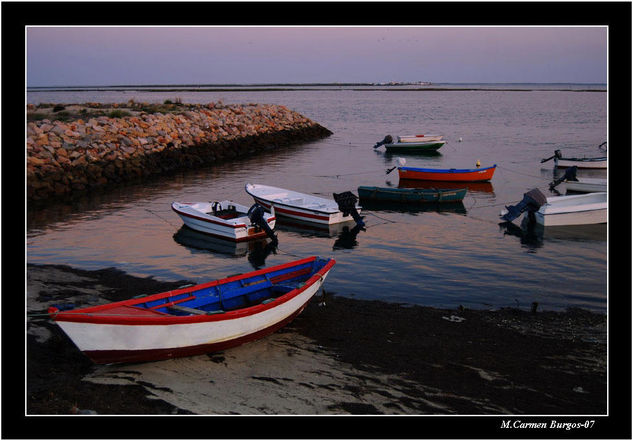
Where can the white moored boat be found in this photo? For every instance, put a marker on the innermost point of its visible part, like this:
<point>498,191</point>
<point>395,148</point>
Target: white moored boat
<point>224,219</point>
<point>586,185</point>
<point>582,209</point>
<point>412,143</point>
<point>295,205</point>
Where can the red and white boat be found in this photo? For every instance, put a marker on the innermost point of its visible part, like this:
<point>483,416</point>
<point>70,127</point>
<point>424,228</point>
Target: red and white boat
<point>295,205</point>
<point>449,174</point>
<point>224,219</point>
<point>195,320</point>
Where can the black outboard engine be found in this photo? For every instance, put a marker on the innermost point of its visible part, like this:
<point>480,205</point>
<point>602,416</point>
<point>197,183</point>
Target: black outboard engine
<point>570,175</point>
<point>388,140</point>
<point>347,204</point>
<point>557,154</point>
<point>256,215</point>
<point>532,201</point>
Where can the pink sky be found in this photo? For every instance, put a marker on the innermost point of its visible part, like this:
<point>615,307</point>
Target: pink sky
<point>63,56</point>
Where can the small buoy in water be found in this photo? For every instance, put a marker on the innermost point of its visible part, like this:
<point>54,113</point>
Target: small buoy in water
<point>460,139</point>
<point>478,164</point>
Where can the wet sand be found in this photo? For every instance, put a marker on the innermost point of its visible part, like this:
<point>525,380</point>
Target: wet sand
<point>341,356</point>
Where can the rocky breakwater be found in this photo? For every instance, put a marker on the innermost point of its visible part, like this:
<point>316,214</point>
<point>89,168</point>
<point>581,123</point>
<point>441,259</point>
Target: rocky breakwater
<point>92,149</point>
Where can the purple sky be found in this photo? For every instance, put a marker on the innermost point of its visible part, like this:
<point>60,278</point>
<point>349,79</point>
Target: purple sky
<point>73,56</point>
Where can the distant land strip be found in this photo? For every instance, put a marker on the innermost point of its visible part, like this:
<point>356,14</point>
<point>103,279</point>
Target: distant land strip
<point>286,89</point>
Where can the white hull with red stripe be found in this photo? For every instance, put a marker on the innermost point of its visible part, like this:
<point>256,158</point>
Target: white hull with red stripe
<point>300,206</point>
<point>147,328</point>
<point>224,219</point>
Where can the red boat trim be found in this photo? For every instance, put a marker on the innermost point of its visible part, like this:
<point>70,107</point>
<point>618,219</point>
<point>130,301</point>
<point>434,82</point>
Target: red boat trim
<point>122,356</point>
<point>91,314</point>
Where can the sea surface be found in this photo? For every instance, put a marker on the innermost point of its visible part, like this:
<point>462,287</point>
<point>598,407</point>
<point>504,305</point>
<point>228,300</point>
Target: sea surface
<point>440,256</point>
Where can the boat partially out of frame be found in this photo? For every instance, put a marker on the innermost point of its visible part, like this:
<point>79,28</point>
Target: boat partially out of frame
<point>197,319</point>
<point>581,209</point>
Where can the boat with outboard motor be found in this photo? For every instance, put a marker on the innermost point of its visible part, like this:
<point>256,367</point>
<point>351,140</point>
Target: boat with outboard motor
<point>412,143</point>
<point>599,162</point>
<point>227,219</point>
<point>301,206</point>
<point>582,209</point>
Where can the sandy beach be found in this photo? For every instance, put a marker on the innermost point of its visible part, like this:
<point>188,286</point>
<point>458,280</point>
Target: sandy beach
<point>339,357</point>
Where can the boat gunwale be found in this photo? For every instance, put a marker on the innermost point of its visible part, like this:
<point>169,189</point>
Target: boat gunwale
<point>90,315</point>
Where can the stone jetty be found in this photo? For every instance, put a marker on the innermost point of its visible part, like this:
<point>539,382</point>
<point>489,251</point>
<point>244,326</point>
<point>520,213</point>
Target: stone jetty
<point>73,149</point>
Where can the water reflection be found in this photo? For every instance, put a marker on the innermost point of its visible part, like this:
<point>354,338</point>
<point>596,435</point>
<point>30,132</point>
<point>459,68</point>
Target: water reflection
<point>310,229</point>
<point>347,238</point>
<point>196,242</point>
<point>480,187</point>
<point>533,234</point>
<point>413,208</point>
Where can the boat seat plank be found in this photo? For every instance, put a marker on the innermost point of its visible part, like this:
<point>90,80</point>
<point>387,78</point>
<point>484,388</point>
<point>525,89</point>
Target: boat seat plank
<point>188,310</point>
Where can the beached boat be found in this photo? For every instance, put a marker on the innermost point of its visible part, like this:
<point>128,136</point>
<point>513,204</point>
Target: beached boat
<point>295,205</point>
<point>224,219</point>
<point>563,162</point>
<point>412,143</point>
<point>582,209</point>
<point>197,319</point>
<point>450,174</point>
<point>410,195</point>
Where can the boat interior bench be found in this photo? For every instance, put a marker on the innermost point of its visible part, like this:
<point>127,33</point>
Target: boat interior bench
<point>216,300</point>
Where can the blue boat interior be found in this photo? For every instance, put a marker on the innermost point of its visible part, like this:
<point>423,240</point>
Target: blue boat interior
<point>235,294</point>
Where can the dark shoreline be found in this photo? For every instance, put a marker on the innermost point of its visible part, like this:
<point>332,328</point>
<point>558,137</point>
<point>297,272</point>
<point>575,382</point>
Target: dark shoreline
<point>544,363</point>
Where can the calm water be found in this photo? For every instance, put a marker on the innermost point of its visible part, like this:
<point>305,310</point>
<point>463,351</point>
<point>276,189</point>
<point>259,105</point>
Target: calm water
<point>457,255</point>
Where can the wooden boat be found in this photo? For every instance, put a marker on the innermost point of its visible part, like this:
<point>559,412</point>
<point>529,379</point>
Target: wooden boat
<point>410,195</point>
<point>195,320</point>
<point>412,143</point>
<point>583,209</point>
<point>451,174</point>
<point>295,205</point>
<point>224,219</point>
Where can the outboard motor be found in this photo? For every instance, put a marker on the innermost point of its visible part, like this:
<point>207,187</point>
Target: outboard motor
<point>570,175</point>
<point>557,154</point>
<point>532,201</point>
<point>256,215</point>
<point>347,204</point>
<point>388,140</point>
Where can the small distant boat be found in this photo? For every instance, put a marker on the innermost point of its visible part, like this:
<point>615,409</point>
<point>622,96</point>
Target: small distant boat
<point>451,174</point>
<point>225,219</point>
<point>410,195</point>
<point>195,320</point>
<point>583,209</point>
<point>412,143</point>
<point>295,205</point>
<point>562,162</point>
